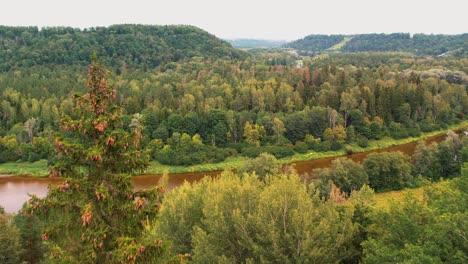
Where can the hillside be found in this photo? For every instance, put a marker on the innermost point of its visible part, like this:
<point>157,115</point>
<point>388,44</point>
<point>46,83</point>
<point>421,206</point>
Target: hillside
<point>134,46</point>
<point>315,43</point>
<point>255,43</point>
<point>419,44</point>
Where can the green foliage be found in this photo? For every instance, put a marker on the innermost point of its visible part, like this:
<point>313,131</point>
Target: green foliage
<point>277,151</point>
<point>447,155</point>
<point>87,217</point>
<point>29,229</point>
<point>420,44</point>
<point>346,174</point>
<point>426,161</point>
<point>363,142</point>
<point>183,150</point>
<point>416,231</point>
<point>232,219</point>
<point>122,46</point>
<point>397,131</point>
<point>363,201</point>
<point>388,171</point>
<point>215,96</point>
<point>262,166</point>
<point>10,246</point>
<point>301,147</point>
<point>180,212</point>
<point>316,43</point>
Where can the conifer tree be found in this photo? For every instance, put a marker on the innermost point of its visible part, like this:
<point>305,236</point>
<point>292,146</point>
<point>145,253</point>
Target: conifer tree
<point>94,216</point>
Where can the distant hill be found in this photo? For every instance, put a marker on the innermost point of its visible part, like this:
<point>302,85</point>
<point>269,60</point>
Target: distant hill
<point>420,44</point>
<point>316,42</point>
<point>137,46</point>
<point>255,43</point>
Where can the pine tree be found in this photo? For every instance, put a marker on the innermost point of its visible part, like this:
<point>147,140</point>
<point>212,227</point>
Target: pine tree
<point>94,215</point>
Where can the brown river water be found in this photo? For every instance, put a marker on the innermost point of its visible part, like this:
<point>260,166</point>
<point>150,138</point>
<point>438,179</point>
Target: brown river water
<point>15,190</point>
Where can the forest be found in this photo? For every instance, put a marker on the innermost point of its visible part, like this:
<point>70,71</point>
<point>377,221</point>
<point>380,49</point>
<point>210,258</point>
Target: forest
<point>418,44</point>
<point>207,110</point>
<point>176,95</point>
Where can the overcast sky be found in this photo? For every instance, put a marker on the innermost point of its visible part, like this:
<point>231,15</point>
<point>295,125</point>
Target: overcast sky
<point>287,19</point>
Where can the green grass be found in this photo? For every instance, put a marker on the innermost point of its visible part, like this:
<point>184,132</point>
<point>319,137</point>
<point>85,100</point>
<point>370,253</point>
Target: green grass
<point>39,168</point>
<point>383,199</point>
<point>340,45</point>
<point>36,169</point>
<point>229,163</point>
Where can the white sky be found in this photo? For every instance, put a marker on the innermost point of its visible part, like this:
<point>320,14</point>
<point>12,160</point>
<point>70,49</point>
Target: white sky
<point>287,19</point>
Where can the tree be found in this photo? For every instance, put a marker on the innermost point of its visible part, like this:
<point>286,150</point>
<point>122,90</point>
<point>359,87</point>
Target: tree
<point>346,174</point>
<point>30,126</point>
<point>296,124</point>
<point>336,136</point>
<point>447,156</point>
<point>253,133</point>
<point>181,211</point>
<point>247,221</point>
<point>292,227</point>
<point>388,170</point>
<point>426,162</point>
<point>29,230</point>
<point>94,216</point>
<point>429,231</point>
<point>347,103</point>
<point>278,128</point>
<point>10,247</point>
<point>264,165</point>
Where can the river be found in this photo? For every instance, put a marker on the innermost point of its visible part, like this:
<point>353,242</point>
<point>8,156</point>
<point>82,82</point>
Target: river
<point>14,190</point>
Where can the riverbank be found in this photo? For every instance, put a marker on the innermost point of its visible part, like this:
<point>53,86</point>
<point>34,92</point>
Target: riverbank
<point>39,168</point>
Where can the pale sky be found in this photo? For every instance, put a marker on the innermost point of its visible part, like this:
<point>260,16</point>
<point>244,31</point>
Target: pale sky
<point>285,20</point>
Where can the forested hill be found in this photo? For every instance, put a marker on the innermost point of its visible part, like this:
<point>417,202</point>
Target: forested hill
<point>316,42</point>
<point>135,46</point>
<point>255,43</point>
<point>419,44</point>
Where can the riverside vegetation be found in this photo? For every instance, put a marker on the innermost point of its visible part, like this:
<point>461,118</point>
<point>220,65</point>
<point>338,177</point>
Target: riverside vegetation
<point>261,105</point>
<point>203,107</point>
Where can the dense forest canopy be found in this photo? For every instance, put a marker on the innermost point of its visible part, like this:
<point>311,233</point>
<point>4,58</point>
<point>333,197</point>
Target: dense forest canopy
<point>316,42</point>
<point>180,96</point>
<point>263,103</point>
<point>419,44</point>
<point>120,46</point>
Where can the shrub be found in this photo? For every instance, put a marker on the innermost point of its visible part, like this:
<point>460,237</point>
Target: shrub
<point>335,146</point>
<point>322,146</point>
<point>349,149</point>
<point>252,152</point>
<point>239,146</point>
<point>279,151</point>
<point>397,131</point>
<point>414,131</point>
<point>301,147</point>
<point>363,142</point>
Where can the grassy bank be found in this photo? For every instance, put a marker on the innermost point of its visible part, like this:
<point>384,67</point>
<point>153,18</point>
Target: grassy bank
<point>36,169</point>
<point>373,145</point>
<point>39,168</point>
<point>383,199</point>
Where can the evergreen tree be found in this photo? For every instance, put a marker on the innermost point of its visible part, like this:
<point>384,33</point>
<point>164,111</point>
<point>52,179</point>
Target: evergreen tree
<point>94,216</point>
